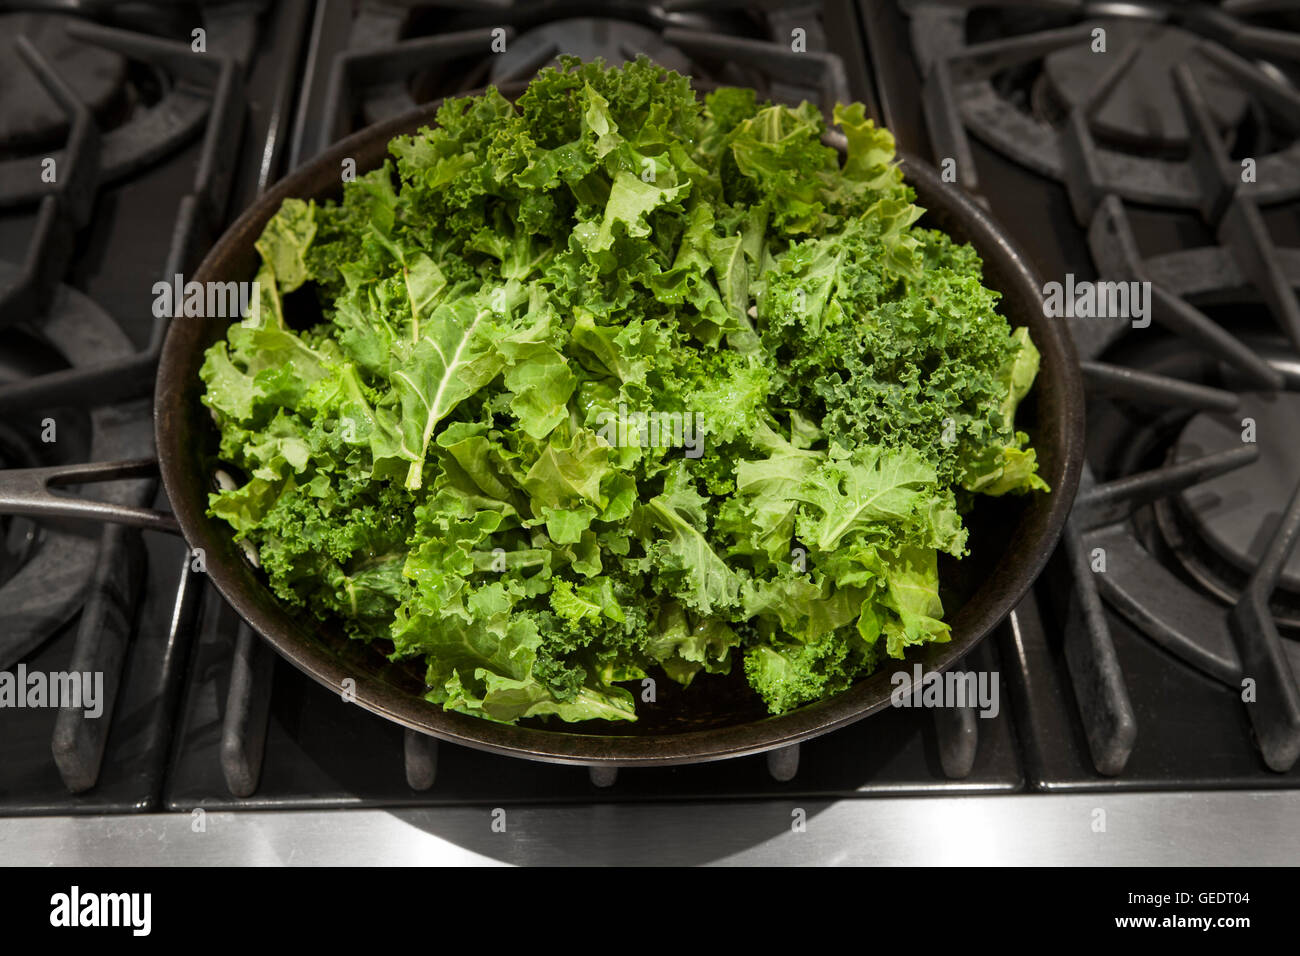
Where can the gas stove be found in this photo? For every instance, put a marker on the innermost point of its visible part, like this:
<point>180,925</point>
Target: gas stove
<point>1152,668</point>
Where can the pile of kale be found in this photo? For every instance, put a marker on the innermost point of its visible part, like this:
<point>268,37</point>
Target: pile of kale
<point>431,464</point>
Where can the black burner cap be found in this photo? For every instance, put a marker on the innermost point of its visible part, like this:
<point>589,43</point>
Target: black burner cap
<point>1237,513</point>
<point>1143,110</point>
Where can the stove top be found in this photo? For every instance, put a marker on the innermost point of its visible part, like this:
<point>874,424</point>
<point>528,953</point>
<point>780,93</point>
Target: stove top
<point>1152,145</point>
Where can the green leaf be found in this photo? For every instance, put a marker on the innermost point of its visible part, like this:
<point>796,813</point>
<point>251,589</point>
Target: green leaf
<point>913,594</point>
<point>284,242</point>
<point>568,473</point>
<point>630,201</point>
<point>452,360</point>
<point>702,581</point>
<point>874,488</point>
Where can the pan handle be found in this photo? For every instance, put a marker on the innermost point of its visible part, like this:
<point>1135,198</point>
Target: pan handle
<point>26,491</point>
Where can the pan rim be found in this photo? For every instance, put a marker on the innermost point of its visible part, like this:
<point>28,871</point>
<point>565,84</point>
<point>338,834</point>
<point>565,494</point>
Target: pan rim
<point>569,746</point>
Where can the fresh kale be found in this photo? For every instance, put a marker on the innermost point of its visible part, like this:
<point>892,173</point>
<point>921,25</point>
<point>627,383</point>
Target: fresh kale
<point>610,381</point>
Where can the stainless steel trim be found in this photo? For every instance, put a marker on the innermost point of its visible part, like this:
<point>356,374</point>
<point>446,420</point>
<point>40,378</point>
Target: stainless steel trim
<point>1107,829</point>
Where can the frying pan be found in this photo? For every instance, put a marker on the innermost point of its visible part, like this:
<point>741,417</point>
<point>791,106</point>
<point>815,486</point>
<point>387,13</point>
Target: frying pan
<point>1010,539</point>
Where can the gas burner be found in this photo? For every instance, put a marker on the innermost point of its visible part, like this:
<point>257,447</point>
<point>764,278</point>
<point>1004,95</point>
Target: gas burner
<point>29,119</point>
<point>148,93</point>
<point>614,41</point>
<point>1183,525</point>
<point>1143,114</point>
<point>1219,529</point>
<point>1230,510</point>
<point>1016,75</point>
<point>45,580</point>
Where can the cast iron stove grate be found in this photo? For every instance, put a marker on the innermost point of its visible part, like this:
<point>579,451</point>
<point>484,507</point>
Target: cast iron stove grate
<point>1174,113</point>
<point>1016,74</point>
<point>79,378</point>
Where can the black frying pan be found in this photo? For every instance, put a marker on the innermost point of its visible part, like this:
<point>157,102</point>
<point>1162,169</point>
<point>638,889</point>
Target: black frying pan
<point>717,717</point>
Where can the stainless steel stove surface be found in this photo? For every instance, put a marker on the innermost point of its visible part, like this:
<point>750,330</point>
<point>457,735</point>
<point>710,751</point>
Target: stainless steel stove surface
<point>1156,659</point>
